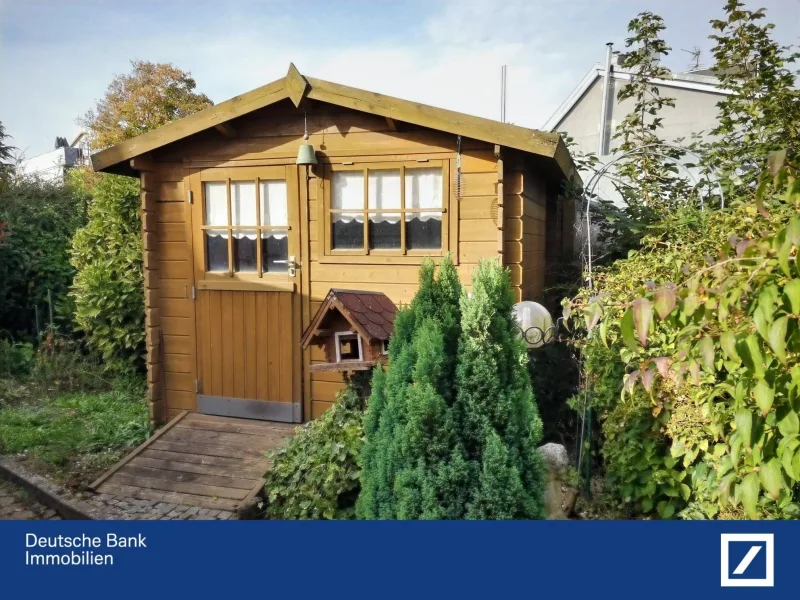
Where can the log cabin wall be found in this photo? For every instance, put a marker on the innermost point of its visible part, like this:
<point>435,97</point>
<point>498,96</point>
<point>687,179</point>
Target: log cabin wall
<point>169,309</point>
<point>526,217</point>
<point>489,218</point>
<point>148,185</point>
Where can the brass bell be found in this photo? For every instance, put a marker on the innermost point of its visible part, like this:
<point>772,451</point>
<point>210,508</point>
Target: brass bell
<point>306,156</point>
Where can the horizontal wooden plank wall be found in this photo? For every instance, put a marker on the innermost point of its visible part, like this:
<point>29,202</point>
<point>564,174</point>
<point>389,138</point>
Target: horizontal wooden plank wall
<point>175,284</point>
<point>477,234</point>
<point>272,137</point>
<point>148,185</point>
<point>525,227</point>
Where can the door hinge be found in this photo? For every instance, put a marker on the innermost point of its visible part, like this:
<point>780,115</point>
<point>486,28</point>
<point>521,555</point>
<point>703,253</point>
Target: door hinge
<point>194,293</point>
<point>196,386</point>
<point>190,197</point>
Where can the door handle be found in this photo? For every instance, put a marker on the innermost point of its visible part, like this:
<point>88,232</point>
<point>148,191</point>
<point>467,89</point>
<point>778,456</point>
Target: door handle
<point>292,266</point>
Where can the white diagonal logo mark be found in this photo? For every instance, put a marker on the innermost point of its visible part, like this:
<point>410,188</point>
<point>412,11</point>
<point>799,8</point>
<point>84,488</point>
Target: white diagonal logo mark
<point>748,558</point>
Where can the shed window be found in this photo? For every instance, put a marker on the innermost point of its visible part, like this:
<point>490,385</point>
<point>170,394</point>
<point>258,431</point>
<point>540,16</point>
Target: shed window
<point>386,210</point>
<point>246,226</point>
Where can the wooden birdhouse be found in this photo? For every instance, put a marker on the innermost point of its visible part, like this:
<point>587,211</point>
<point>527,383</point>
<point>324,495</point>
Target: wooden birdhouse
<point>354,328</point>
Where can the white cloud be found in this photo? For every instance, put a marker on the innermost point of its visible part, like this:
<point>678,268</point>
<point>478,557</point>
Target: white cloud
<point>450,56</point>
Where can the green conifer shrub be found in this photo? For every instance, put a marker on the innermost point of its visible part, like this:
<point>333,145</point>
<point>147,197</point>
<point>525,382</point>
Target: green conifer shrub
<point>451,427</point>
<point>412,463</point>
<point>496,416</point>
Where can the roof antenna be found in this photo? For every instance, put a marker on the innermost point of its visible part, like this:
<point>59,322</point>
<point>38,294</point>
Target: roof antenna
<point>503,76</point>
<point>696,53</point>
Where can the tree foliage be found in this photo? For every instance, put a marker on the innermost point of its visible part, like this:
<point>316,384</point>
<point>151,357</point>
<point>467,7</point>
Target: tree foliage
<point>107,252</point>
<point>451,428</point>
<point>413,466</point>
<point>692,349</point>
<point>647,178</point>
<point>762,115</point>
<point>152,95</point>
<point>495,412</point>
<point>6,157</point>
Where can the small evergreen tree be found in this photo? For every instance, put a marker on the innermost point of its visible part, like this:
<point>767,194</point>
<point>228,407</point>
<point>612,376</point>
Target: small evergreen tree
<point>411,458</point>
<point>451,427</point>
<point>495,413</point>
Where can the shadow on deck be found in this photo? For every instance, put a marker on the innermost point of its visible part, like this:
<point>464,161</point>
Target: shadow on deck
<point>198,460</point>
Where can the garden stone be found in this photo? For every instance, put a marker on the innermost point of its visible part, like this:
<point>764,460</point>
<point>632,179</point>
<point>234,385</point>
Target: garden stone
<point>555,455</point>
<point>559,498</point>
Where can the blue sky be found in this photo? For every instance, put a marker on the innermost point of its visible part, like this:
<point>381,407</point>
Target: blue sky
<point>57,57</point>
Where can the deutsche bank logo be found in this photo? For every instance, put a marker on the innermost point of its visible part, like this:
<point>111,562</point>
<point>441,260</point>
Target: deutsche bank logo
<point>748,559</point>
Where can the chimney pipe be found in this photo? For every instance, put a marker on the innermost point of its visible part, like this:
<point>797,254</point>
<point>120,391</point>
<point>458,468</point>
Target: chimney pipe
<point>503,72</point>
<point>602,147</point>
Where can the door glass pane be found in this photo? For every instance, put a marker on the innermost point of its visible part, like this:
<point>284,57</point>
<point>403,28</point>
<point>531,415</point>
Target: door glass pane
<point>275,251</point>
<point>384,189</point>
<point>216,203</point>
<point>424,232</point>
<point>347,231</point>
<point>217,249</point>
<point>243,203</point>
<point>348,190</point>
<point>384,231</point>
<point>244,251</point>
<point>273,203</point>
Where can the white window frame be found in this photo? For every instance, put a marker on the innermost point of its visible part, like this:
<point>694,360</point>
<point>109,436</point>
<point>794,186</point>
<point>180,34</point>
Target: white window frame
<point>338,335</point>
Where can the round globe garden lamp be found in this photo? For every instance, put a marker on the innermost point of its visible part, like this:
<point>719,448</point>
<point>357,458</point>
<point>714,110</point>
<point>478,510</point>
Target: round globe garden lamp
<point>535,324</point>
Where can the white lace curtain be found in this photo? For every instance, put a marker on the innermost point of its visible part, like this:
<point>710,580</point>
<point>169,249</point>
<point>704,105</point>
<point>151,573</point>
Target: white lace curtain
<point>423,190</point>
<point>243,207</point>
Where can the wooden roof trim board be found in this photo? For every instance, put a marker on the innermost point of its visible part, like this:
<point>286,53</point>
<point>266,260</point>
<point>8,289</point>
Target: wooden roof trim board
<point>296,87</point>
<point>199,121</point>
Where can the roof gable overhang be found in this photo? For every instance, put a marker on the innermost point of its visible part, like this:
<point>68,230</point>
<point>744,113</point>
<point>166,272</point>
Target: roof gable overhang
<point>297,87</point>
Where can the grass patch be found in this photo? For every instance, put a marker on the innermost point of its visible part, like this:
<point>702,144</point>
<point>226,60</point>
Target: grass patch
<point>72,437</point>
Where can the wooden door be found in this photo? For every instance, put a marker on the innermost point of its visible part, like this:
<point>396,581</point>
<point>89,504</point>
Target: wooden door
<point>246,251</point>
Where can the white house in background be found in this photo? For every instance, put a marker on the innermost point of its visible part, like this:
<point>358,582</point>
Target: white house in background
<point>696,95</point>
<point>591,121</point>
<point>51,166</point>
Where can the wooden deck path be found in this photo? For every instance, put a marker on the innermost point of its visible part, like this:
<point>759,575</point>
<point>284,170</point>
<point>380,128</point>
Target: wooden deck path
<point>198,460</point>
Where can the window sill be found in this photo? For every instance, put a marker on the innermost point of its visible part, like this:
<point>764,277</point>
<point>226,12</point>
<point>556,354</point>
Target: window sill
<point>264,284</point>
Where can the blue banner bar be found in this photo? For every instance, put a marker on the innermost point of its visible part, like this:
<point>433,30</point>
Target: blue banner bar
<point>487,560</point>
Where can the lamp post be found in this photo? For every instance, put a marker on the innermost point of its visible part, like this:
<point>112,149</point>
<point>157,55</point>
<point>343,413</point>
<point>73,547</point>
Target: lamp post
<point>535,324</point>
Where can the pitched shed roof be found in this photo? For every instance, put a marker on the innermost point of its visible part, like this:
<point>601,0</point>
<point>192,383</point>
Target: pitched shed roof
<point>297,87</point>
<point>370,313</point>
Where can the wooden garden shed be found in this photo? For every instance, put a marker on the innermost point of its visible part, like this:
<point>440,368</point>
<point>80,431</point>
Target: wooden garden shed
<point>242,244</point>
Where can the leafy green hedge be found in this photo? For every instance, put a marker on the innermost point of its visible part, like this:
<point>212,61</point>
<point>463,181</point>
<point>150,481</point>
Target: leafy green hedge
<point>704,321</point>
<point>108,287</point>
<point>316,475</point>
<point>37,222</point>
